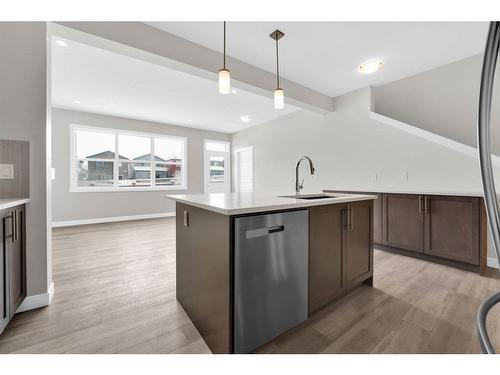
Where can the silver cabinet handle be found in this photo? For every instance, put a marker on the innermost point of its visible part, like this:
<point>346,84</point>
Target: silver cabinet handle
<point>419,204</point>
<point>426,205</point>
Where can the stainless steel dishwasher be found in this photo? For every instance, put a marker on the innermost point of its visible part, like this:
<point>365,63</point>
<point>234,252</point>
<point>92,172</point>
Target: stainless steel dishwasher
<point>270,276</point>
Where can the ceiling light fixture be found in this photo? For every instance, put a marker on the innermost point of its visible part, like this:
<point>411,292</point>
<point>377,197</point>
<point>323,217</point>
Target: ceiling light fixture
<point>224,74</point>
<point>279,94</point>
<point>371,66</point>
<point>77,101</point>
<point>61,43</point>
<point>233,91</point>
<point>245,118</point>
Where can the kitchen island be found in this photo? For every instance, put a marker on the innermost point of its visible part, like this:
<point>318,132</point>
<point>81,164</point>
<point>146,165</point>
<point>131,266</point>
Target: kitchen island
<point>251,266</point>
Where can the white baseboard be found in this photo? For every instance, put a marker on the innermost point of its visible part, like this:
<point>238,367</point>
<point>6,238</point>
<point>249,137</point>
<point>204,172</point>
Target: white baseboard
<point>36,301</point>
<point>492,262</point>
<point>71,223</point>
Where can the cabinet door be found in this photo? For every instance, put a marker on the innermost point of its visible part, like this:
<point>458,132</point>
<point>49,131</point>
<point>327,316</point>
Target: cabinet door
<point>452,228</point>
<point>403,221</point>
<point>16,262</point>
<point>358,241</point>
<point>377,219</point>
<point>325,254</point>
<point>5,231</point>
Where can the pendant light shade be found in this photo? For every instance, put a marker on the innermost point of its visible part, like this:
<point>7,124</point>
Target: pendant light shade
<point>279,94</point>
<point>224,81</point>
<point>279,99</point>
<point>224,74</point>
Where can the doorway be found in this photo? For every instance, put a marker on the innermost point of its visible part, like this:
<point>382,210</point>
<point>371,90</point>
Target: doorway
<point>217,166</point>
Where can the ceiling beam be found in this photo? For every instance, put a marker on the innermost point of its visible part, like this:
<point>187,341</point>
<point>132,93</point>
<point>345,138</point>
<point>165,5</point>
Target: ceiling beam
<point>148,43</point>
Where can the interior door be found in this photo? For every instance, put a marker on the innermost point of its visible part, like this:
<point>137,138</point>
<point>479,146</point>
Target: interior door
<point>452,228</point>
<point>217,168</point>
<point>403,225</point>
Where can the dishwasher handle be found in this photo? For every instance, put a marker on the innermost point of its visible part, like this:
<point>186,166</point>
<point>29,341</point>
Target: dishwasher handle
<point>277,228</point>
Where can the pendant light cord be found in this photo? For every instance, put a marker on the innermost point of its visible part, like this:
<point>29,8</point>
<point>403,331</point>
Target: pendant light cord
<point>224,59</point>
<point>277,66</point>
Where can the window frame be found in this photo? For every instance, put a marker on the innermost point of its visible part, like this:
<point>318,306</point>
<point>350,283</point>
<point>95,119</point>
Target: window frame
<point>74,188</point>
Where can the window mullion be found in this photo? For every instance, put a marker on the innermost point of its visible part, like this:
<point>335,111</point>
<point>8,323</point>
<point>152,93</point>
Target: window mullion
<point>115,164</point>
<point>153,163</point>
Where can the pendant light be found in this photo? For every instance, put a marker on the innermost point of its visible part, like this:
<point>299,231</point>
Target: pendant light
<point>279,94</point>
<point>224,74</point>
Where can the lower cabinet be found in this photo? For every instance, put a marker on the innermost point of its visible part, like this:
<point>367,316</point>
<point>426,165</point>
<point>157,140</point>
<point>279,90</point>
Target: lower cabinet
<point>403,222</point>
<point>452,228</point>
<point>326,233</point>
<point>340,250</point>
<point>358,244</point>
<point>446,227</point>
<point>12,263</point>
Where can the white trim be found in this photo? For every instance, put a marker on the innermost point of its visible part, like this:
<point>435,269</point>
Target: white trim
<point>492,262</point>
<point>71,223</point>
<point>37,301</point>
<point>432,137</point>
<point>74,188</point>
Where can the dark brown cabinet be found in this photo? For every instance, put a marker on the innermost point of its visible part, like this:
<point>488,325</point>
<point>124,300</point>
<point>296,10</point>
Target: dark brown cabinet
<point>452,228</point>
<point>437,227</point>
<point>377,219</point>
<point>4,314</point>
<point>12,263</point>
<point>403,222</point>
<point>358,244</point>
<point>340,250</point>
<point>326,232</point>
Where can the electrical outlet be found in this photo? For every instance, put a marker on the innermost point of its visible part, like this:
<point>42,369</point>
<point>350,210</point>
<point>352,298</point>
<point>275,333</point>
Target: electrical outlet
<point>6,171</point>
<point>374,177</point>
<point>404,176</point>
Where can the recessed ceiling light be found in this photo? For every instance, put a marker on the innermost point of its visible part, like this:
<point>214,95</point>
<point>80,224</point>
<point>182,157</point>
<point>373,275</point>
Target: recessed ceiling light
<point>245,118</point>
<point>77,101</point>
<point>61,43</point>
<point>234,91</point>
<point>371,66</point>
<point>189,120</point>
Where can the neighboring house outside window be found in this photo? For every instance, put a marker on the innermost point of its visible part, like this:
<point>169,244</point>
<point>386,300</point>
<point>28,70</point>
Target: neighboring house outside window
<point>96,171</point>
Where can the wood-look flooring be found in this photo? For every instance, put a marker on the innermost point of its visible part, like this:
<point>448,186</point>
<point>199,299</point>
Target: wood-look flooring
<point>115,293</point>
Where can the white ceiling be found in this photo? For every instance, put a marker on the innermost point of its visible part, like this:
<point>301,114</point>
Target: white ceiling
<point>324,56</point>
<point>109,83</point>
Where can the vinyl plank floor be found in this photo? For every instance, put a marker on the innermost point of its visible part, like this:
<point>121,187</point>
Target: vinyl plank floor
<point>115,293</point>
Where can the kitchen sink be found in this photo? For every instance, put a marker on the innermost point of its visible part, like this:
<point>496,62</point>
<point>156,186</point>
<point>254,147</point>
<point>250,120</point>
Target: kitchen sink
<point>311,196</point>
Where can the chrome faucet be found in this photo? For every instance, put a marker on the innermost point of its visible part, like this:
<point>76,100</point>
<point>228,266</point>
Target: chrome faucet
<point>311,168</point>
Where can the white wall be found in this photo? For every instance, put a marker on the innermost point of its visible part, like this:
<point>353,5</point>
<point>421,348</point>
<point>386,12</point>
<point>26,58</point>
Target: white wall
<point>23,117</point>
<point>442,100</point>
<point>347,148</point>
<point>70,206</point>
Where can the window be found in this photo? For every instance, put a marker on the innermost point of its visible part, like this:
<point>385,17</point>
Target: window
<point>116,160</point>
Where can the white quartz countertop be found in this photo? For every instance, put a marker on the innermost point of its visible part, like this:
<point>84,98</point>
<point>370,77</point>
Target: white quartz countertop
<point>13,202</point>
<point>402,191</point>
<point>243,203</point>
